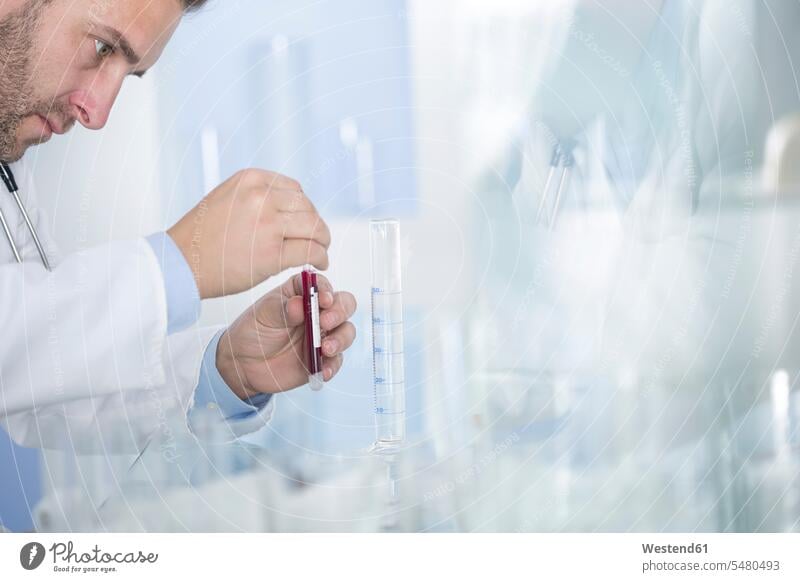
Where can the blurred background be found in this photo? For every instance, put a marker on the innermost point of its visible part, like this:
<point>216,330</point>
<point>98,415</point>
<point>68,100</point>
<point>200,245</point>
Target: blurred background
<point>604,344</point>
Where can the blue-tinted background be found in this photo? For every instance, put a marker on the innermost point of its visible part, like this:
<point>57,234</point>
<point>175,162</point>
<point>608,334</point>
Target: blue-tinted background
<point>320,91</point>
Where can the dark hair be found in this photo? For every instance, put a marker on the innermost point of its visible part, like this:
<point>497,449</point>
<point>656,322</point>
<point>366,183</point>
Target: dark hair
<point>189,5</point>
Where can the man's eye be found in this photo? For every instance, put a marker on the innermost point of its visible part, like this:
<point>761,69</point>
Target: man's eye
<point>103,49</point>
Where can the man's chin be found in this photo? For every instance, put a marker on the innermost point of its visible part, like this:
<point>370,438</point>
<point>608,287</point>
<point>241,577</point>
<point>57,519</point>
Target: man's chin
<point>35,142</point>
<point>18,152</point>
<point>11,157</point>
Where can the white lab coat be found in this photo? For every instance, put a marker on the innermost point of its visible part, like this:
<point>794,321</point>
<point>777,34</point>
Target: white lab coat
<point>85,360</point>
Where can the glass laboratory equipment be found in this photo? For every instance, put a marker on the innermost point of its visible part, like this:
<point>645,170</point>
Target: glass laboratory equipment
<point>340,493</point>
<point>768,455</point>
<point>387,333</point>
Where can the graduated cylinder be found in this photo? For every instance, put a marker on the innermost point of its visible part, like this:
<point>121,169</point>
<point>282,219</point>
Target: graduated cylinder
<point>387,333</point>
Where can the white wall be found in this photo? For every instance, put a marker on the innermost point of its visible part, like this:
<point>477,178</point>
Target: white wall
<point>101,185</point>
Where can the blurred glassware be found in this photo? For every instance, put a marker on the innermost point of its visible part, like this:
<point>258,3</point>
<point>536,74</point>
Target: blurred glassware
<point>781,172</point>
<point>337,494</point>
<point>566,451</point>
<point>766,444</point>
<point>572,452</point>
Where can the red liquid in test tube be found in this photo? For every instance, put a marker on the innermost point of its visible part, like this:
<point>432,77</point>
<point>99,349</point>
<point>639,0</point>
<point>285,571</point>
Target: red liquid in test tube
<point>313,332</point>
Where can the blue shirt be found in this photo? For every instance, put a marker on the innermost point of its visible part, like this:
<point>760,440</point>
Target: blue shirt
<point>183,310</point>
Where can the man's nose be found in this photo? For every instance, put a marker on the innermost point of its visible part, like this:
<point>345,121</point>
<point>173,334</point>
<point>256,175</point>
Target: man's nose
<point>92,108</point>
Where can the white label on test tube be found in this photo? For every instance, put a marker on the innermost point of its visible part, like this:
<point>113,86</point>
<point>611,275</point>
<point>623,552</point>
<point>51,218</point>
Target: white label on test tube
<point>315,318</point>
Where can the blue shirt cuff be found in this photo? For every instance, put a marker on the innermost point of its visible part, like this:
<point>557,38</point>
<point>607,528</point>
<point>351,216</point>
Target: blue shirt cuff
<point>183,298</point>
<point>214,394</point>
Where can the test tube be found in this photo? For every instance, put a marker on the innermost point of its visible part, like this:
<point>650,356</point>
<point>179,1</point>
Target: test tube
<point>313,332</point>
<point>387,333</point>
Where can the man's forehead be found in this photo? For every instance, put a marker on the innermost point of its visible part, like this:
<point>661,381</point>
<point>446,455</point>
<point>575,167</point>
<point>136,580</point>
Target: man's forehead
<point>144,26</point>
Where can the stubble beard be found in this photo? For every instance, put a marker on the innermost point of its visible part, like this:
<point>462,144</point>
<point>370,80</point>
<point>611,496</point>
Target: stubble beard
<point>16,98</point>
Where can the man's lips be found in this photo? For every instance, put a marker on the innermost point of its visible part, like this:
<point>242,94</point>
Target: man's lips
<point>54,126</point>
<point>47,129</point>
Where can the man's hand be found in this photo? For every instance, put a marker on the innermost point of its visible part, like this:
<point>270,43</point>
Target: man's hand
<point>263,351</point>
<point>253,226</point>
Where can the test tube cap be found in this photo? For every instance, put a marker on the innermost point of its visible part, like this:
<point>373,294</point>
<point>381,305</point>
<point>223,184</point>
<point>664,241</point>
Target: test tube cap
<point>316,382</point>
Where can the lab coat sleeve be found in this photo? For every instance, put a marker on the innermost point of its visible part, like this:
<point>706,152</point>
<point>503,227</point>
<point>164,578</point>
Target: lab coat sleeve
<point>94,326</point>
<point>85,360</point>
<point>156,415</point>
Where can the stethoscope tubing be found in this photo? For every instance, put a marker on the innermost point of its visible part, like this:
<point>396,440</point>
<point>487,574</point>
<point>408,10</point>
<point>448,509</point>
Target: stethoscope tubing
<point>11,186</point>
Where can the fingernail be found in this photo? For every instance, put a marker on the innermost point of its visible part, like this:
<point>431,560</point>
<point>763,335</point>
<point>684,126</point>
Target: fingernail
<point>331,347</point>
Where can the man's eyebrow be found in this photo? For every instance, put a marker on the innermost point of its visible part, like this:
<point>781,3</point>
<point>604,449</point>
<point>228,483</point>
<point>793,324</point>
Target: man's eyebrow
<point>120,42</point>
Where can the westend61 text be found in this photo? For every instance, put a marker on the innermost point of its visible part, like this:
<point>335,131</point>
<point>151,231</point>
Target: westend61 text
<point>670,549</point>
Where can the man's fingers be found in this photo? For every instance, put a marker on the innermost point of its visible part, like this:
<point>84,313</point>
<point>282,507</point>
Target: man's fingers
<point>343,308</point>
<point>339,339</point>
<point>295,312</point>
<point>278,312</point>
<point>294,286</point>
<point>297,252</point>
<point>325,299</point>
<point>251,178</point>
<point>305,225</point>
<point>331,367</point>
<point>290,200</point>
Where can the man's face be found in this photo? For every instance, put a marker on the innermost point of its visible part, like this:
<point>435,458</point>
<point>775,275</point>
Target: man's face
<point>63,61</point>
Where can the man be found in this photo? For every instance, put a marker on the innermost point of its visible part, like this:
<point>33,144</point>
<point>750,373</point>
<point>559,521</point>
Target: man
<point>101,342</point>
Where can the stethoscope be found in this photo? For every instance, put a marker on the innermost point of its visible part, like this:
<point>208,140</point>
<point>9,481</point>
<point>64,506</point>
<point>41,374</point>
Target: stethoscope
<point>11,185</point>
<point>561,163</point>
